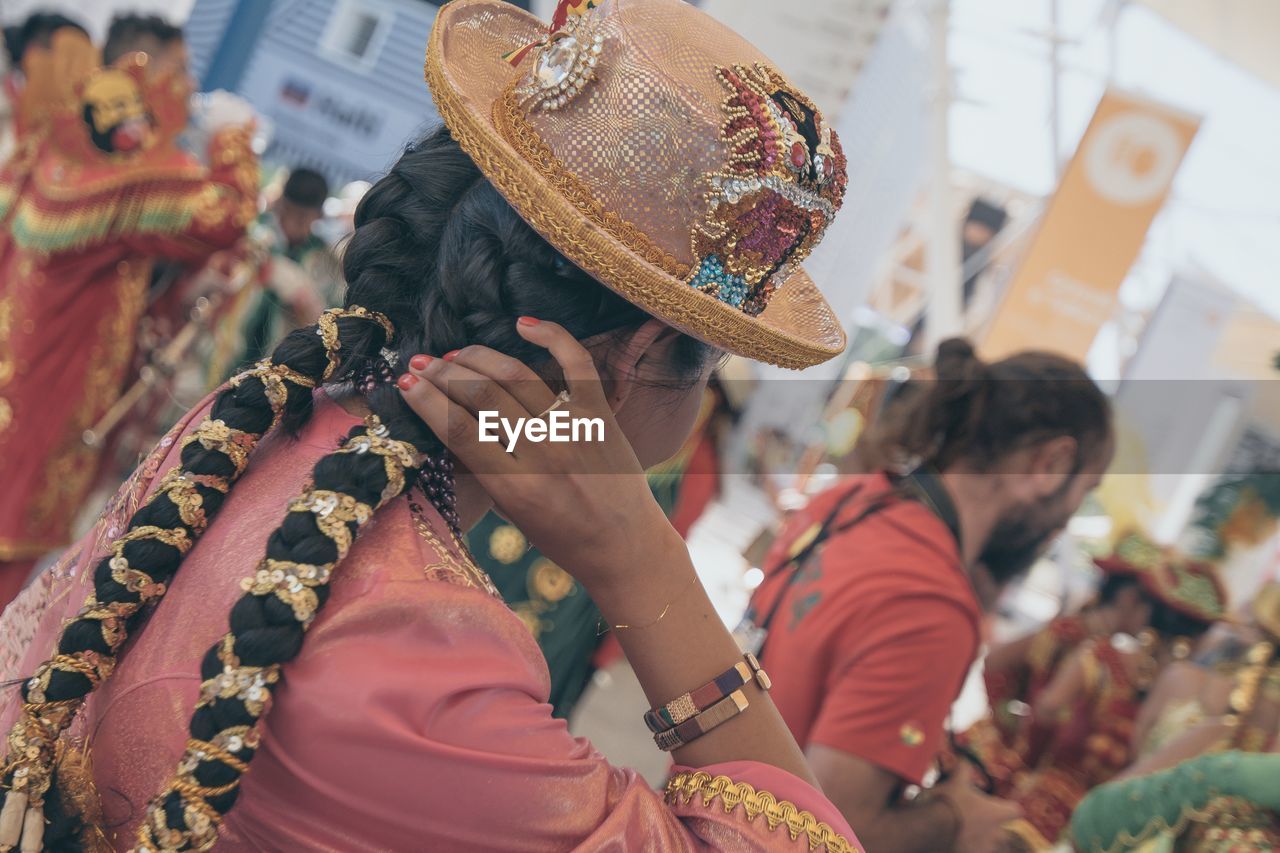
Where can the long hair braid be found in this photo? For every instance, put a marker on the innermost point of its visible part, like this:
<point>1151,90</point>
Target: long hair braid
<point>143,560</point>
<point>290,585</point>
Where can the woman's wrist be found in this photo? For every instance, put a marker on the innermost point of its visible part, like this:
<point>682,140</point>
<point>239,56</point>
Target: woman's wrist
<point>639,585</point>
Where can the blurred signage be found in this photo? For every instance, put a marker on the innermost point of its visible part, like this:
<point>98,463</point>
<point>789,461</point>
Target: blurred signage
<point>326,118</point>
<point>1093,228</point>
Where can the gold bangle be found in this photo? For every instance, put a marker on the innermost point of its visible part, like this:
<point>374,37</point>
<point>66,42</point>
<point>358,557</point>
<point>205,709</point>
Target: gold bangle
<point>700,724</point>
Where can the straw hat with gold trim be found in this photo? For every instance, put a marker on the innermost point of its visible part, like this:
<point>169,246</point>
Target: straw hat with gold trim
<point>658,151</point>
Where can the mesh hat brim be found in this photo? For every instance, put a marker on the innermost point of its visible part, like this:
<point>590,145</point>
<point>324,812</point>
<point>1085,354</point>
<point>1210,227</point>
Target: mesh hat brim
<point>467,77</point>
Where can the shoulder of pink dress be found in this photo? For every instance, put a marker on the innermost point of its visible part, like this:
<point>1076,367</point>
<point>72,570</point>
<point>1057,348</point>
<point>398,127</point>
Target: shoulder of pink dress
<point>409,542</point>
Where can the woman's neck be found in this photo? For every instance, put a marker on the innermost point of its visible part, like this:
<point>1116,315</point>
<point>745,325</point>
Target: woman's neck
<point>473,500</point>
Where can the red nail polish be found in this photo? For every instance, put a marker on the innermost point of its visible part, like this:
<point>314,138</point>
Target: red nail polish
<point>528,321</point>
<point>420,362</point>
<point>407,382</point>
<point>450,356</point>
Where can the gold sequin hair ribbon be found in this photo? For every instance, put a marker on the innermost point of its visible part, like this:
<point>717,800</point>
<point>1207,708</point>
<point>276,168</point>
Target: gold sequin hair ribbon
<point>273,376</point>
<point>296,585</point>
<point>327,329</point>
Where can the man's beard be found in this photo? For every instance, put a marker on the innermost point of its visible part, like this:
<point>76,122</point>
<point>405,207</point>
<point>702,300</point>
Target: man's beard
<point>1018,540</point>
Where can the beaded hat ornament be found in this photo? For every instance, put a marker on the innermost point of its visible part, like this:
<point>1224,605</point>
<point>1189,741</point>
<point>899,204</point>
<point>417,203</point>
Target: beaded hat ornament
<point>658,151</point>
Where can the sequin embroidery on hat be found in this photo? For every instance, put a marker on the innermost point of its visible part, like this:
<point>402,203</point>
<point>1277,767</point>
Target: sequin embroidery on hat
<point>781,187</point>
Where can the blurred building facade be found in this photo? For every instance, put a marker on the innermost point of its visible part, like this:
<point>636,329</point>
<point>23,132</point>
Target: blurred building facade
<point>339,81</point>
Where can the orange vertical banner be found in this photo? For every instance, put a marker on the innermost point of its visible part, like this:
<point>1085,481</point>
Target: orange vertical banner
<point>1093,228</point>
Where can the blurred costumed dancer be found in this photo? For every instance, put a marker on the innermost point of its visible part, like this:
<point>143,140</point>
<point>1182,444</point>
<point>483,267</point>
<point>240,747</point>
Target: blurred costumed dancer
<point>1215,788</point>
<point>1089,710</point>
<point>1017,672</point>
<point>85,212</point>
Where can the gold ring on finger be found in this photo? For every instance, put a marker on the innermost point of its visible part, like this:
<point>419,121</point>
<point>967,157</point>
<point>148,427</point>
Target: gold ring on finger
<point>562,399</point>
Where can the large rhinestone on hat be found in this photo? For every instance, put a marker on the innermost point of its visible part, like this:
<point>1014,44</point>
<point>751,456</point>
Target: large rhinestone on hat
<point>558,61</point>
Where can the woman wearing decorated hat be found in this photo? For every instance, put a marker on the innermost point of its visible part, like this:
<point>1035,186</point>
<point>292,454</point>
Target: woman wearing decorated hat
<point>1089,709</point>
<point>611,205</point>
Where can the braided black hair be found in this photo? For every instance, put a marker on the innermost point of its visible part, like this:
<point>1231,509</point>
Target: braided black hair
<point>442,255</point>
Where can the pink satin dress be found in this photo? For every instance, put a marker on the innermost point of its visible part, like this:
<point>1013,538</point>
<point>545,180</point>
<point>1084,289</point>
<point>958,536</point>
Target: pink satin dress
<point>415,717</point>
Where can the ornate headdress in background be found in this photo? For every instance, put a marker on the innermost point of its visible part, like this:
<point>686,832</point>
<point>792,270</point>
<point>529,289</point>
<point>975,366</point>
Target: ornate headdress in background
<point>1188,586</point>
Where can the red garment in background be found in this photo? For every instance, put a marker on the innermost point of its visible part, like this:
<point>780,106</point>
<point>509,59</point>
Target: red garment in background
<point>876,636</point>
<point>1089,745</point>
<point>700,484</point>
<point>76,250</point>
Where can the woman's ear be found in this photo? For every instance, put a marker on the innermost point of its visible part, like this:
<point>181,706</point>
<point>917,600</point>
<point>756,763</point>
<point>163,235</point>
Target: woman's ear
<point>622,367</point>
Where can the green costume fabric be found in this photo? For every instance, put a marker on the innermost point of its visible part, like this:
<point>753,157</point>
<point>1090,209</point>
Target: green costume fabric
<point>1161,809</point>
<point>264,323</point>
<point>555,608</point>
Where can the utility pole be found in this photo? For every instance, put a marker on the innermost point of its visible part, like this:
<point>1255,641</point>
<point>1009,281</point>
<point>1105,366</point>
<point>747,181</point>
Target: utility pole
<point>942,255</point>
<point>1055,91</point>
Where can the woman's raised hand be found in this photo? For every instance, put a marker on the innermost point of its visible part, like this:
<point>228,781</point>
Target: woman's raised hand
<point>585,502</point>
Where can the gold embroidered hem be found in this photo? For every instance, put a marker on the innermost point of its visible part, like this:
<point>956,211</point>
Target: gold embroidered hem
<point>684,787</point>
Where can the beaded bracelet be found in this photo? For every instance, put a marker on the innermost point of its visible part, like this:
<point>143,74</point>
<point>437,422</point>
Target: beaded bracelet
<point>695,702</point>
<point>699,724</point>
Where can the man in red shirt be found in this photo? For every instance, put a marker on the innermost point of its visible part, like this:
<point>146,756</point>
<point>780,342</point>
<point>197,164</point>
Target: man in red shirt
<point>870,613</point>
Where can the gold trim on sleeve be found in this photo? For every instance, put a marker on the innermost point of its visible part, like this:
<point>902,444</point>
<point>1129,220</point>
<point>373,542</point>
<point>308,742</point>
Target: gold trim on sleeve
<point>683,787</point>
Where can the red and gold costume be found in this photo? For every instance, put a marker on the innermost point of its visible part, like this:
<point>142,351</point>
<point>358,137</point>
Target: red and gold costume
<point>1046,651</point>
<point>85,211</point>
<point>1090,744</point>
<point>1008,741</point>
<point>1090,739</point>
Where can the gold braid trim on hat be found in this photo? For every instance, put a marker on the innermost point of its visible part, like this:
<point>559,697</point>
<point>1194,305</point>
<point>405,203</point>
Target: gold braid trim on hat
<point>295,584</point>
<point>556,218</point>
<point>684,787</point>
<point>327,329</point>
